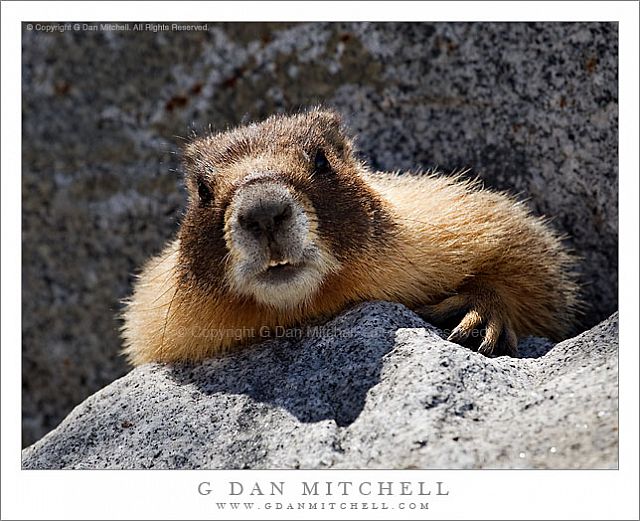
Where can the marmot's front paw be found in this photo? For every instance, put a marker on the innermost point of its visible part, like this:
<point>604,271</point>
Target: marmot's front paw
<point>483,316</point>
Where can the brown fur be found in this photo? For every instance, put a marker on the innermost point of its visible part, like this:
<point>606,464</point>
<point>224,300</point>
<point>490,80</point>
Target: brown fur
<point>440,245</point>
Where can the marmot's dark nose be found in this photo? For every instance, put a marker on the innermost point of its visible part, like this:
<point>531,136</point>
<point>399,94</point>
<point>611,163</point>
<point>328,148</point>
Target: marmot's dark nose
<point>266,217</point>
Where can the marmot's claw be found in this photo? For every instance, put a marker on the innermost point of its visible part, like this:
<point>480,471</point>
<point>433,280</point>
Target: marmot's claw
<point>486,347</point>
<point>499,336</point>
<point>482,320</point>
<point>471,321</point>
<point>492,331</point>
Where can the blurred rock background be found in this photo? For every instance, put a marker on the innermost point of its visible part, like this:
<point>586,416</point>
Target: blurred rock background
<point>531,108</point>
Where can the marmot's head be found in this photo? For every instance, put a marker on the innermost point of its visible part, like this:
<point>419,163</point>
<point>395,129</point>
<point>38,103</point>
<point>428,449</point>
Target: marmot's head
<point>275,208</point>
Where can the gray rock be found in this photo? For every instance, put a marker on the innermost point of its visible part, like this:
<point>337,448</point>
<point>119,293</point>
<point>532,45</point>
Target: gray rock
<point>528,107</point>
<point>375,388</point>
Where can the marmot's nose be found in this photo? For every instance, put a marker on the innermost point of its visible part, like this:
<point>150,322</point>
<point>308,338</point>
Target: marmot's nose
<point>266,217</point>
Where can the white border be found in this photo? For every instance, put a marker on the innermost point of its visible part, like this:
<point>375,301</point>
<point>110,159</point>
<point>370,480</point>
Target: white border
<point>168,495</point>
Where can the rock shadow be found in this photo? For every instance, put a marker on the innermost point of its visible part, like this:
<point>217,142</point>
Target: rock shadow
<point>323,374</point>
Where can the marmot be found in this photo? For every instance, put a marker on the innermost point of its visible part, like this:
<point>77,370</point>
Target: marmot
<point>285,225</point>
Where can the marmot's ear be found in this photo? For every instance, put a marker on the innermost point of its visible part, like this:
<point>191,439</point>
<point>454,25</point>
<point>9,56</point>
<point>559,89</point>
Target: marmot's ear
<point>193,157</point>
<point>198,173</point>
<point>196,159</point>
<point>328,116</point>
<point>338,133</point>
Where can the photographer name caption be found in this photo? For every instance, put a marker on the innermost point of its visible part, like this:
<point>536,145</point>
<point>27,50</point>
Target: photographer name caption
<point>114,27</point>
<point>322,495</point>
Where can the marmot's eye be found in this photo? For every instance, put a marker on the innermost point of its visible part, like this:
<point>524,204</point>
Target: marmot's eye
<point>204,192</point>
<point>320,162</point>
